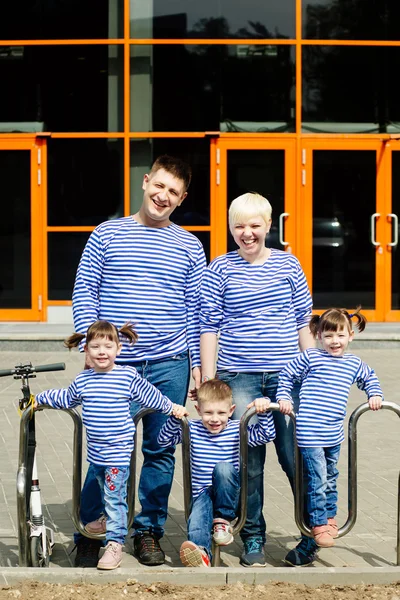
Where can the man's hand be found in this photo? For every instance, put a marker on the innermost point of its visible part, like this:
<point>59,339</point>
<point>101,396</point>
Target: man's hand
<point>179,411</point>
<point>375,402</point>
<point>260,404</point>
<point>196,374</point>
<point>285,406</point>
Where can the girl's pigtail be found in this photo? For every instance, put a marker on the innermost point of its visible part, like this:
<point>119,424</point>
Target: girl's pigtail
<point>361,320</point>
<point>129,332</point>
<point>314,325</point>
<point>74,340</point>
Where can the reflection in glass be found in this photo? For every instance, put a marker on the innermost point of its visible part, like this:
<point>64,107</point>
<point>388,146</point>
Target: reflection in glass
<point>61,88</point>
<point>64,253</point>
<point>355,20</point>
<point>261,171</point>
<point>15,229</point>
<point>195,209</point>
<point>344,197</point>
<point>212,19</point>
<point>85,181</point>
<point>395,249</point>
<point>212,88</point>
<point>350,89</point>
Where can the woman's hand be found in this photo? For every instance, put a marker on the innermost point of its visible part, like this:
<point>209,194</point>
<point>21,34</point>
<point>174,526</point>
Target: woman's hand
<point>375,402</point>
<point>260,404</point>
<point>179,411</point>
<point>285,406</point>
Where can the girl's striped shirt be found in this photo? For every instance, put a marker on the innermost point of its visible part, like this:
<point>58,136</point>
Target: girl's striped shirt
<point>325,387</point>
<point>105,400</point>
<point>207,449</point>
<point>256,309</point>
<point>149,276</point>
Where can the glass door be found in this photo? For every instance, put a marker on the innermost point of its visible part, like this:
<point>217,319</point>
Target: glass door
<point>21,231</point>
<point>391,218</point>
<point>263,166</point>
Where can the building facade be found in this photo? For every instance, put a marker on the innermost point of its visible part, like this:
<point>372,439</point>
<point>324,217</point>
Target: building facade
<point>295,99</point>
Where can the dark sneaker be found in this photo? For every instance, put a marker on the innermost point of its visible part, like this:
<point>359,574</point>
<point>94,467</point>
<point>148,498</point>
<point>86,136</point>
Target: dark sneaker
<point>253,553</point>
<point>304,554</point>
<point>147,549</point>
<point>87,553</point>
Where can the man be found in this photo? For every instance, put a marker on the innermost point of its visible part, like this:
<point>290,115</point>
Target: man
<point>146,270</point>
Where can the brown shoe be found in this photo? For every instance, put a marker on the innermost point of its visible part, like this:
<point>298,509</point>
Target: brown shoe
<point>322,537</point>
<point>333,527</point>
<point>98,526</point>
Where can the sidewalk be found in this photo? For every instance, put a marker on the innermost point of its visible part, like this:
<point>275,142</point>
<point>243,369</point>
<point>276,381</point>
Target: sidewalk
<point>371,543</point>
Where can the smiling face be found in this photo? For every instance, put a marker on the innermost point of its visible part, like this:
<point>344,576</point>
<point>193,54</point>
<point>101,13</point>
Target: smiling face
<point>249,234</point>
<point>102,353</point>
<point>336,342</point>
<point>162,194</point>
<point>215,414</point>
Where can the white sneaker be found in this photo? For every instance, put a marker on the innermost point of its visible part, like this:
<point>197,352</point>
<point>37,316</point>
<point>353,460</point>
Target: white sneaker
<point>222,532</point>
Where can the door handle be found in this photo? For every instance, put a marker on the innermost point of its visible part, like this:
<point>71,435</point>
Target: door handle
<point>373,217</point>
<point>281,218</point>
<point>396,229</point>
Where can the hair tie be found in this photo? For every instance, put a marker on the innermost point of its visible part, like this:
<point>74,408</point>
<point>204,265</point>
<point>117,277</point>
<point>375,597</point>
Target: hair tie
<point>351,315</point>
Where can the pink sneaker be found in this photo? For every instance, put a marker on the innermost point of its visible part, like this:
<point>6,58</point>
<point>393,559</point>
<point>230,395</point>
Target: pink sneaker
<point>222,532</point>
<point>192,555</point>
<point>112,557</point>
<point>97,526</point>
<point>333,527</point>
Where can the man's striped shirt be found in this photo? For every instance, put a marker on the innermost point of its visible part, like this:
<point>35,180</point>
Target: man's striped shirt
<point>149,276</point>
<point>325,387</point>
<point>105,400</point>
<point>207,449</point>
<point>256,309</point>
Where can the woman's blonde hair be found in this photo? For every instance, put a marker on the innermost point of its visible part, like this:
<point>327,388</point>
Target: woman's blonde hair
<point>247,206</point>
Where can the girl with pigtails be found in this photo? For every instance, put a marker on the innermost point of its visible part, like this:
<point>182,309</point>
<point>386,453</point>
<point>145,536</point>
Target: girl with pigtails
<point>105,392</point>
<point>326,375</point>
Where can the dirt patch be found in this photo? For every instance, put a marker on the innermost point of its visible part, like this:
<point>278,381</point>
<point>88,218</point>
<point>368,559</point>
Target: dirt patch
<point>137,591</point>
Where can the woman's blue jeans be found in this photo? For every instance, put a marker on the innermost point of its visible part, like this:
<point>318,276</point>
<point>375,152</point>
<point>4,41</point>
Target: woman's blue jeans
<point>113,486</point>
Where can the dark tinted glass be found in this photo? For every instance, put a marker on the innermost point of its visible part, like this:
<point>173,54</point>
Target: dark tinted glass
<point>212,19</point>
<point>53,20</point>
<point>64,253</point>
<point>212,88</point>
<point>61,88</point>
<point>395,234</point>
<point>355,20</point>
<point>344,198</point>
<point>15,229</point>
<point>85,181</point>
<point>204,237</point>
<point>195,209</point>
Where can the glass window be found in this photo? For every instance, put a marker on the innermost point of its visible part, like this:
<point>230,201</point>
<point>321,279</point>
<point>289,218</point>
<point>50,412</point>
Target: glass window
<point>395,234</point>
<point>356,20</point>
<point>212,88</point>
<point>74,19</point>
<point>61,88</point>
<point>204,237</point>
<point>85,181</point>
<point>195,209</point>
<point>350,89</point>
<point>212,19</point>
<point>64,253</point>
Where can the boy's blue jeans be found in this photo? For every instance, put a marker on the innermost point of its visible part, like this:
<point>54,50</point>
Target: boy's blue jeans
<point>220,500</point>
<point>320,466</point>
<point>113,485</point>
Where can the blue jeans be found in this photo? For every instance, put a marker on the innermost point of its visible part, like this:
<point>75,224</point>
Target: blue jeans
<point>246,387</point>
<point>113,486</point>
<point>320,466</point>
<point>171,376</point>
<point>220,500</point>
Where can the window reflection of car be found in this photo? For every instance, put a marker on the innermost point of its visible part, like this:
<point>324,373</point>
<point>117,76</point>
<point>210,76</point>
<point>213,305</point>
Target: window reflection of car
<point>328,233</point>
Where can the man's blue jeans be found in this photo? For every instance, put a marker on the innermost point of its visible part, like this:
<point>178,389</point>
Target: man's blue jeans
<point>320,465</point>
<point>220,500</point>
<point>246,387</point>
<point>171,376</point>
<point>113,485</point>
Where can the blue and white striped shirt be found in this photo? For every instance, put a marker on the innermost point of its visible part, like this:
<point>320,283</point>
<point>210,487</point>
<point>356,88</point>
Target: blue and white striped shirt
<point>105,400</point>
<point>325,387</point>
<point>256,309</point>
<point>149,276</point>
<point>207,449</point>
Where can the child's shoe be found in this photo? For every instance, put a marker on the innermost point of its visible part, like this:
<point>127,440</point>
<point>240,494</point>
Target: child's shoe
<point>322,536</point>
<point>333,527</point>
<point>112,557</point>
<point>97,526</point>
<point>222,532</point>
<point>192,555</point>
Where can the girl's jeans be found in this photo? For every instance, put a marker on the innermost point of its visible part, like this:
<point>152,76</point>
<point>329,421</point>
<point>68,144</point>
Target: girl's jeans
<point>220,500</point>
<point>321,471</point>
<point>113,485</point>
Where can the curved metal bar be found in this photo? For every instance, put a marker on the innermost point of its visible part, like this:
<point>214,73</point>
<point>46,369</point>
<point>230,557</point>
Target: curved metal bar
<point>186,468</point>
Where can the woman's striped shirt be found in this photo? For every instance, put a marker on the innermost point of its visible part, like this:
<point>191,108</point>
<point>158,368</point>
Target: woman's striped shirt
<point>256,309</point>
<point>325,387</point>
<point>105,400</point>
<point>147,275</point>
<point>207,449</point>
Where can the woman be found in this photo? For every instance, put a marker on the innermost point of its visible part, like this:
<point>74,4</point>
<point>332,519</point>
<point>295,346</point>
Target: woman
<point>257,301</point>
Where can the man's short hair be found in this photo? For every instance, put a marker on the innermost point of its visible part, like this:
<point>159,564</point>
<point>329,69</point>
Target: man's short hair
<point>214,390</point>
<point>175,166</point>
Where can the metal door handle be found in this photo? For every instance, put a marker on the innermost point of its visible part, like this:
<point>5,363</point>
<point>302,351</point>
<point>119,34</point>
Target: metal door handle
<point>373,217</point>
<point>396,229</point>
<point>281,240</point>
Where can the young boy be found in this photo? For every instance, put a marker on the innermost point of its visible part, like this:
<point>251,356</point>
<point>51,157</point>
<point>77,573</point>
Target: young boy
<point>214,456</point>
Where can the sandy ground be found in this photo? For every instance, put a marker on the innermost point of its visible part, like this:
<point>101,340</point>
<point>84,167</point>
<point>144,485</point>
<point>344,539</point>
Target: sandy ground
<point>132,589</point>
